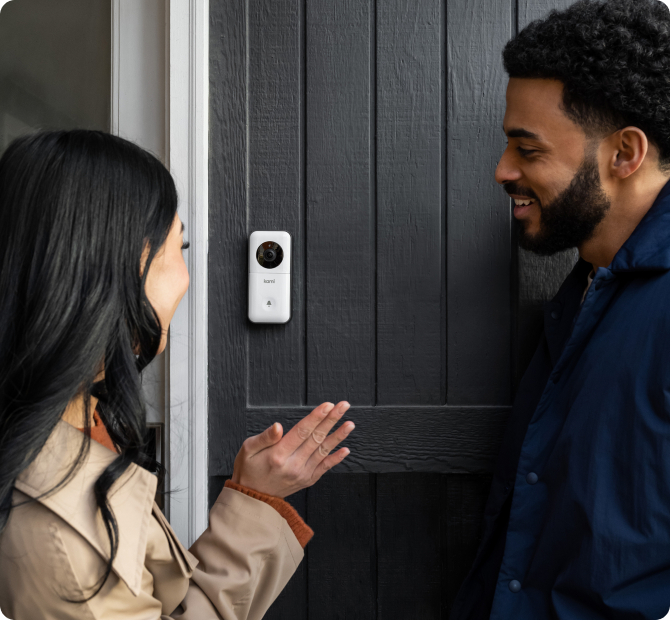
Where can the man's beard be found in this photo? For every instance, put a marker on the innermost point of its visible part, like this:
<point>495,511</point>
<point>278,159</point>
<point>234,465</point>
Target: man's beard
<point>571,218</point>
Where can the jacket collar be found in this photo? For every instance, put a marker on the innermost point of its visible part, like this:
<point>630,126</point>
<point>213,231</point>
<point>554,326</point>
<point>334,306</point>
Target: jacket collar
<point>648,248</point>
<point>131,499</point>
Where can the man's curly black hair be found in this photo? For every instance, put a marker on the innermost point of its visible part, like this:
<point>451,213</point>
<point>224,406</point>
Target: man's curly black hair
<point>613,58</point>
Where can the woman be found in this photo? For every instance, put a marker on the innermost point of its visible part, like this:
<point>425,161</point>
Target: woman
<point>91,272</point>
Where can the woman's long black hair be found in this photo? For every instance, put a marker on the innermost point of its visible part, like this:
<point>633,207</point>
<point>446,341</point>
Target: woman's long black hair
<point>77,210</point>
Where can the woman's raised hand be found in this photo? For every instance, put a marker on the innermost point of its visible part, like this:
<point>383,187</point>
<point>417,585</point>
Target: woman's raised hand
<point>281,465</point>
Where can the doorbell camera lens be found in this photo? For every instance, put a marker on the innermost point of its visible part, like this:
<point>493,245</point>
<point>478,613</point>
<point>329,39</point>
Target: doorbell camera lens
<point>269,255</point>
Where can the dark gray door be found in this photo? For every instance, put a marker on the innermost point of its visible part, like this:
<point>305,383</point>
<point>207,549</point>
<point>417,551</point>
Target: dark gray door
<point>370,130</point>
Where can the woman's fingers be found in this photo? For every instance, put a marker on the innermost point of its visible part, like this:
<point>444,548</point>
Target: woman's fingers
<point>269,437</point>
<point>320,433</point>
<point>329,444</point>
<point>329,462</point>
<point>303,430</point>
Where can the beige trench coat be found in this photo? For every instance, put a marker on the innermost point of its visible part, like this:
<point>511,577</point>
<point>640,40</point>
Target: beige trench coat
<point>54,548</point>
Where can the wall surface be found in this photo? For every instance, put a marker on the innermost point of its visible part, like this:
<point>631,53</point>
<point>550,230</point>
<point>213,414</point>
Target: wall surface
<point>370,130</point>
<point>55,66</point>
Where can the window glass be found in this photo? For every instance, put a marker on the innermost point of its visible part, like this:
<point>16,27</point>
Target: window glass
<point>55,66</point>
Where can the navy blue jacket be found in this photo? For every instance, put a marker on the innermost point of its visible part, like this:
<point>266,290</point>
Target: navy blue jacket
<point>577,524</point>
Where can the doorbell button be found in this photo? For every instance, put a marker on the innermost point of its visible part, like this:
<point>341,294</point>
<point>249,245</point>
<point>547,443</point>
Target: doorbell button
<point>269,298</point>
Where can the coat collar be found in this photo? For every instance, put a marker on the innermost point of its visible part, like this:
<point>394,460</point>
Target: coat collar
<point>648,248</point>
<point>131,499</point>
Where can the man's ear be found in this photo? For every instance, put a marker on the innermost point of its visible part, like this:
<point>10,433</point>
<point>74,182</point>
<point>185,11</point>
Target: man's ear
<point>629,149</point>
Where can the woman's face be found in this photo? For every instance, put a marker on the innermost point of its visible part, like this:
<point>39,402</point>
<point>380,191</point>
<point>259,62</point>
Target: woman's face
<point>167,279</point>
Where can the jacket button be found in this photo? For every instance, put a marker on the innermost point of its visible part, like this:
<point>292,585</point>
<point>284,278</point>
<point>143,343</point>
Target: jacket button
<point>531,478</point>
<point>555,314</point>
<point>514,585</point>
<point>507,488</point>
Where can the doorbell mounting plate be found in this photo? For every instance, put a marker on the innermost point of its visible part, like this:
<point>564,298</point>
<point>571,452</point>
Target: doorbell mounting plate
<point>269,276</point>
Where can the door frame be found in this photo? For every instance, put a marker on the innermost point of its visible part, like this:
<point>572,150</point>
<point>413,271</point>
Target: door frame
<point>188,148</point>
<point>184,148</point>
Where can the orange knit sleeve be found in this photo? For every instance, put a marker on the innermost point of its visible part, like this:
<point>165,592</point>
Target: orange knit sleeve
<point>99,433</point>
<point>301,530</point>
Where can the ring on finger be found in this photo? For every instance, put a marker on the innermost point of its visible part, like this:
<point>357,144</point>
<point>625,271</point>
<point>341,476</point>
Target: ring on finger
<point>319,436</point>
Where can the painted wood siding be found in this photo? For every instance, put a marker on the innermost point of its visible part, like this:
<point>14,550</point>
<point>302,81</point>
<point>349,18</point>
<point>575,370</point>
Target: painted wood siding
<point>370,130</point>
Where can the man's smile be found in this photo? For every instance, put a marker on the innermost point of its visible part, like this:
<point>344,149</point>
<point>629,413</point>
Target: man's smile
<point>522,204</point>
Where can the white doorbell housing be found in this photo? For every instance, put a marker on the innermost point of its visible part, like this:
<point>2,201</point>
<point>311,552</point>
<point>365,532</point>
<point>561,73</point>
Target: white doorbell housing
<point>269,276</point>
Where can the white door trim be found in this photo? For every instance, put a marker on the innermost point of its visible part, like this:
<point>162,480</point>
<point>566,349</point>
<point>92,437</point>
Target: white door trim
<point>139,73</point>
<point>188,151</point>
<point>179,134</point>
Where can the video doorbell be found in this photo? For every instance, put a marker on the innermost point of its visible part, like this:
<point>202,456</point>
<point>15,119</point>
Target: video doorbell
<point>269,276</point>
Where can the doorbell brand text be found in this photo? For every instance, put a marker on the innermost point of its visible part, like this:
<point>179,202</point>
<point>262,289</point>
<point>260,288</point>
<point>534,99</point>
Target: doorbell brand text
<point>269,281</point>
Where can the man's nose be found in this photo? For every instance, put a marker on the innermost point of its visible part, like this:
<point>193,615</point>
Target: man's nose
<point>506,170</point>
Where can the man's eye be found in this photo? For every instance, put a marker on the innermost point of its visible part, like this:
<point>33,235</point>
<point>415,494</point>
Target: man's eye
<point>525,152</point>
<point>186,245</point>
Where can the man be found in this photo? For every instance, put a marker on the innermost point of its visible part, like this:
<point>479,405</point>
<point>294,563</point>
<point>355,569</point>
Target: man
<point>577,524</point>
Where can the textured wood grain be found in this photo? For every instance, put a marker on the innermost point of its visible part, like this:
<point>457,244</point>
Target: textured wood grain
<point>276,352</point>
<point>479,249</point>
<point>530,10</point>
<point>227,234</point>
<point>342,554</point>
<point>410,518</point>
<point>410,217</point>
<point>340,311</point>
<point>404,439</point>
<point>345,106</point>
<point>465,503</point>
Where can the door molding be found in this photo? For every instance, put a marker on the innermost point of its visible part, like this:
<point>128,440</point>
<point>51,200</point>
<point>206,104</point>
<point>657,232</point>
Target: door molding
<point>448,439</point>
<point>160,98</point>
<point>188,148</point>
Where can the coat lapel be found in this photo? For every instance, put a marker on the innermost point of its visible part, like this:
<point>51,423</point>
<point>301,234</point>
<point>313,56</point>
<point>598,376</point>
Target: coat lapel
<point>186,560</point>
<point>131,499</point>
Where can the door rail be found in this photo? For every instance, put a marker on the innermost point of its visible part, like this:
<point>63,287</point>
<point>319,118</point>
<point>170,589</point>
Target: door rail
<point>392,439</point>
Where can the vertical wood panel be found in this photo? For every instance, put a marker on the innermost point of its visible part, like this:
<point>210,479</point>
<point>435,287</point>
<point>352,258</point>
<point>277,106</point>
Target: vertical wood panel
<point>340,333</point>
<point>465,503</point>
<point>410,518</point>
<point>368,210</point>
<point>530,10</point>
<point>539,277</point>
<point>479,250</point>
<point>276,352</point>
<point>410,202</point>
<point>341,560</point>
<point>227,234</point>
